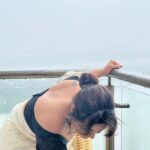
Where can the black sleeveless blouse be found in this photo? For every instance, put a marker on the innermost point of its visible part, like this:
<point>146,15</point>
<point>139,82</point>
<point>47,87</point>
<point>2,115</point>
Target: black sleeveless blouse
<point>45,140</point>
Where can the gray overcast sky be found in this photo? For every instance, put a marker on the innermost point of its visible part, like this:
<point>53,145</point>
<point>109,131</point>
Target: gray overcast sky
<point>37,26</point>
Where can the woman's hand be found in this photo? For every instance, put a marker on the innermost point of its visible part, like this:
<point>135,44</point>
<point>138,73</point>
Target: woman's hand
<point>110,66</point>
<point>107,69</point>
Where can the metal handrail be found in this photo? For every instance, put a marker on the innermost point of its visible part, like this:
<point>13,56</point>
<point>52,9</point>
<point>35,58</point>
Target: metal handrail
<point>131,77</point>
<point>136,78</point>
<point>28,74</point>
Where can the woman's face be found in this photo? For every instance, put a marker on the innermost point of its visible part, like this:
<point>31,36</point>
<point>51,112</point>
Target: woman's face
<point>97,128</point>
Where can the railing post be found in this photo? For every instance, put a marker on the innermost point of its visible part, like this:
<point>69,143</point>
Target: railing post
<point>110,141</point>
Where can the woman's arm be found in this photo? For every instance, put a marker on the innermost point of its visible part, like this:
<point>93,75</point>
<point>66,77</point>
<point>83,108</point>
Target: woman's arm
<point>107,69</point>
<point>97,72</point>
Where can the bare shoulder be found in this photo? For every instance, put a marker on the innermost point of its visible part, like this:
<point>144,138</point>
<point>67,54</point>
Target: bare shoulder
<point>51,108</point>
<point>47,112</point>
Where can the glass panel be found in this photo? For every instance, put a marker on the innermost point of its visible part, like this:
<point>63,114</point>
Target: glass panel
<point>136,119</point>
<point>15,91</point>
<point>133,129</point>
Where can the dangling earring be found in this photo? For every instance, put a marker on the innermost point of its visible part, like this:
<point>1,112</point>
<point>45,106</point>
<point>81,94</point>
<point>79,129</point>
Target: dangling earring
<point>68,119</point>
<point>68,122</point>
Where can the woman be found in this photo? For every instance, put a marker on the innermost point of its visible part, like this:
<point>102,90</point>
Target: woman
<point>76,104</point>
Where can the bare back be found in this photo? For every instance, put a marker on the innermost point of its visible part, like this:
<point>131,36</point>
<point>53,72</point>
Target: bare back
<point>52,107</point>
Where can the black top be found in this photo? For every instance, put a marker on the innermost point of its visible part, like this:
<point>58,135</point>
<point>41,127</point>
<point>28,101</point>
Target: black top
<point>45,140</point>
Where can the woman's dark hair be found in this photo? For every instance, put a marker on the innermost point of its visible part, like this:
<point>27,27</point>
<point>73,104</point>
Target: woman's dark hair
<point>94,104</point>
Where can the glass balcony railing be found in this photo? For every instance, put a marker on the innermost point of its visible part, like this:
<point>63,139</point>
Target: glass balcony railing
<point>133,129</point>
<point>136,120</point>
<point>131,90</point>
